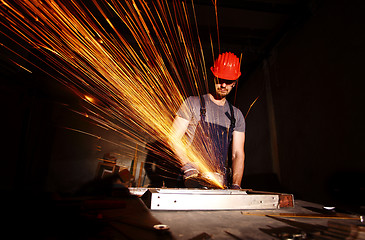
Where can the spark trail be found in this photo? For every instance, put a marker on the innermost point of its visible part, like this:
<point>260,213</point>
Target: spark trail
<point>141,76</point>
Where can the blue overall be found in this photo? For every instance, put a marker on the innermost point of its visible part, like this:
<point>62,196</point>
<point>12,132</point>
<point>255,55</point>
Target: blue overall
<point>214,141</point>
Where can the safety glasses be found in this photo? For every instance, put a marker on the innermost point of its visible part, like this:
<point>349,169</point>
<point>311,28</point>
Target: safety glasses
<point>227,82</point>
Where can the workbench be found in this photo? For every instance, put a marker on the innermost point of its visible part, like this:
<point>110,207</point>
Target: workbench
<point>248,224</point>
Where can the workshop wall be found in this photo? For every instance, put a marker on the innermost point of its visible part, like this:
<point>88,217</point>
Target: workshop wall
<point>315,76</point>
<point>25,130</point>
<point>80,144</point>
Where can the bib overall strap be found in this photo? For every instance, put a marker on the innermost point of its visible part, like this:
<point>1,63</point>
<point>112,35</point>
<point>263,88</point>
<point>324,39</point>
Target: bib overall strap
<point>233,120</point>
<point>203,110</point>
<point>228,165</point>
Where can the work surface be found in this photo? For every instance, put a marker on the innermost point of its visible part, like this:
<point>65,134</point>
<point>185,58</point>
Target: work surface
<point>249,224</point>
<point>127,217</point>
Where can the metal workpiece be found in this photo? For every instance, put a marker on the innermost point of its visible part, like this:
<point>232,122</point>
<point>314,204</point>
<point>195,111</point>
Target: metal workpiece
<point>208,199</point>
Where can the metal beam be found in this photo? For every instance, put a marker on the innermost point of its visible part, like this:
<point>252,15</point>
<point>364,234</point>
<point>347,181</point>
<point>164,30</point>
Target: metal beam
<point>210,199</point>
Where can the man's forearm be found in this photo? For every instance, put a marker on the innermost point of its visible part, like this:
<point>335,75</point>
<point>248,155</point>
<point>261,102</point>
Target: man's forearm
<point>238,157</point>
<point>180,151</point>
<point>178,129</point>
<point>238,168</point>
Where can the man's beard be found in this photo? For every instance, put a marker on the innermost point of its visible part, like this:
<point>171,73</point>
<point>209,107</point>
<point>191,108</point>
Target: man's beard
<point>221,92</point>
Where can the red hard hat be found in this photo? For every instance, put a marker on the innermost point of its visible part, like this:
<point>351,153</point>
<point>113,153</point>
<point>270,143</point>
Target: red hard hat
<point>227,66</point>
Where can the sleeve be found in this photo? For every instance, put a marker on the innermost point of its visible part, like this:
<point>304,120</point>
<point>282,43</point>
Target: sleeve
<point>185,111</point>
<point>240,122</point>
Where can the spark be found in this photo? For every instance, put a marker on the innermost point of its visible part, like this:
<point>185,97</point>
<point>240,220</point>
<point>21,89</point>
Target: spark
<point>90,99</point>
<point>138,83</point>
<point>21,66</point>
<point>251,106</point>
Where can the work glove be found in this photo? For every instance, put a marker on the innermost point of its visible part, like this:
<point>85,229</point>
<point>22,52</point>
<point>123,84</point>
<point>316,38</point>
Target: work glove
<point>189,171</point>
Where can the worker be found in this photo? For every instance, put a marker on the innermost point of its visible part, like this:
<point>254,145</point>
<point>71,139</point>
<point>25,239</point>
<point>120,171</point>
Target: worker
<point>212,116</point>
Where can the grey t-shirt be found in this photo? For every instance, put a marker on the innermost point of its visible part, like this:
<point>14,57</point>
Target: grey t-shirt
<point>220,115</point>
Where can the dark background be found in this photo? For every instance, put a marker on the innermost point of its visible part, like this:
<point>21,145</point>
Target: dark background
<point>302,59</point>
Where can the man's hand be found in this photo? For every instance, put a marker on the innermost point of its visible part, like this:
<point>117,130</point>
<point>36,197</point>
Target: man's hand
<point>189,171</point>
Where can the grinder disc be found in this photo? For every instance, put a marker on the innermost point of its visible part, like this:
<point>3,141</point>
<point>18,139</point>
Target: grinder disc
<point>199,182</point>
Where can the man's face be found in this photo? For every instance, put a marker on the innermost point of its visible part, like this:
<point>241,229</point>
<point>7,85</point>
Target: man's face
<point>223,87</point>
